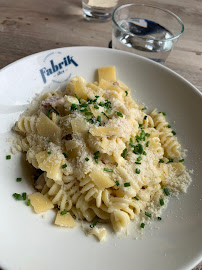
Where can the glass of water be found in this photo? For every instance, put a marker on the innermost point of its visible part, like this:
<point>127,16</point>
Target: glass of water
<point>98,10</point>
<point>145,30</point>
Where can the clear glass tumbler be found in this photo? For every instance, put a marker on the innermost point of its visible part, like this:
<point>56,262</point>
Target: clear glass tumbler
<point>145,30</point>
<point>98,10</point>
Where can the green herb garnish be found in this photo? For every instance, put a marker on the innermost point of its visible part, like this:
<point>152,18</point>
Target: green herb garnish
<point>159,218</point>
<point>169,126</point>
<point>161,201</point>
<point>174,133</point>
<point>28,202</point>
<point>24,196</point>
<point>181,160</point>
<point>124,153</point>
<point>145,117</point>
<point>142,225</point>
<point>126,93</point>
<point>147,214</point>
<point>64,212</point>
<point>48,152</point>
<point>96,107</point>
<point>127,184</point>
<point>117,183</point>
<point>170,160</point>
<point>119,114</point>
<point>137,171</point>
<point>161,161</point>
<point>136,198</point>
<point>8,157</point>
<point>147,143</point>
<point>108,170</point>
<point>73,107</point>
<point>65,155</point>
<point>86,159</point>
<point>94,224</point>
<point>55,110</point>
<point>64,166</point>
<point>166,191</point>
<point>105,115</point>
<point>18,179</point>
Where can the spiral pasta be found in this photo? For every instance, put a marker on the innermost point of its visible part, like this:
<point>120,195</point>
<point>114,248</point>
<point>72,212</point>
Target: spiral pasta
<point>102,158</point>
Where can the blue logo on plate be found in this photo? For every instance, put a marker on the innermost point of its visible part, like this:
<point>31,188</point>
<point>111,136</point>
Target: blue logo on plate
<point>56,69</point>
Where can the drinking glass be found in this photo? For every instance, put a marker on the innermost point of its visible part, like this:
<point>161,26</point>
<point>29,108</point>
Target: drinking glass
<point>145,30</point>
<point>98,10</point>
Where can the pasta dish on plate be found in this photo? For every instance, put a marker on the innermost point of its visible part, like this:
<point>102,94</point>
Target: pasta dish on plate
<point>100,157</point>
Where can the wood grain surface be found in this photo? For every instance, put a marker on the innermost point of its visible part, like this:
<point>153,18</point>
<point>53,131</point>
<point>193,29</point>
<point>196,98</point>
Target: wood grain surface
<point>30,26</point>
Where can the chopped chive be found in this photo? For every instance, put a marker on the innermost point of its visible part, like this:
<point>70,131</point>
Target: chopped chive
<point>86,159</point>
<point>166,191</point>
<point>147,214</point>
<point>159,218</point>
<point>105,115</point>
<point>169,126</point>
<point>142,225</point>
<point>141,150</point>
<point>28,202</point>
<point>77,98</point>
<point>84,104</point>
<point>97,97</point>
<point>147,143</point>
<point>24,196</point>
<point>49,152</point>
<point>136,162</point>
<point>17,196</point>
<point>170,160</point>
<point>126,93</point>
<point>145,117</point>
<point>139,158</point>
<point>8,157</point>
<point>96,107</point>
<point>174,133</point>
<point>48,114</point>
<point>84,110</point>
<point>96,153</point>
<point>18,179</point>
<point>127,184</point>
<point>144,153</point>
<point>117,183</point>
<point>164,114</point>
<point>73,107</point>
<point>144,108</point>
<point>119,114</point>
<point>99,118</point>
<point>90,101</point>
<point>63,212</point>
<point>147,134</point>
<point>108,170</point>
<point>64,166</point>
<point>124,153</point>
<point>161,161</point>
<point>55,110</point>
<point>131,140</point>
<point>136,198</point>
<point>137,171</point>
<point>181,160</point>
<point>96,159</point>
<point>88,113</point>
<point>140,125</point>
<point>94,224</point>
<point>65,155</point>
<point>161,201</point>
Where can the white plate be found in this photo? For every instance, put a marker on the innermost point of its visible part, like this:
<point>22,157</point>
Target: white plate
<point>28,241</point>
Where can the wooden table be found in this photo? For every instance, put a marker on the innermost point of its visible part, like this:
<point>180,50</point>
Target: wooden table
<point>30,26</point>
